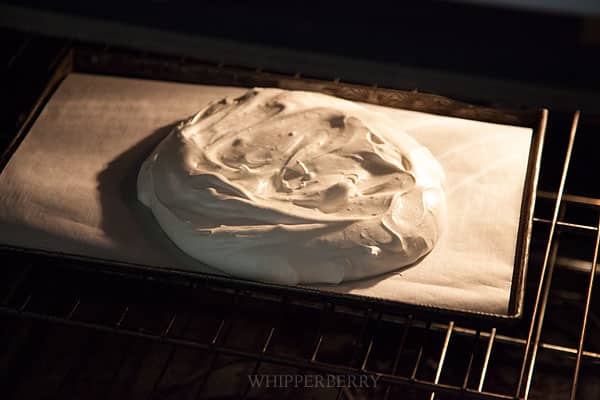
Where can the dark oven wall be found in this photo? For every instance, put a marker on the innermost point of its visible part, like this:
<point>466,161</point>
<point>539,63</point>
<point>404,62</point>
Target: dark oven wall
<point>465,50</point>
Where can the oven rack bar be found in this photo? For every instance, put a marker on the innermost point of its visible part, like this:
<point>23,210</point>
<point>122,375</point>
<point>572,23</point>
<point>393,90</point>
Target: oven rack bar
<point>547,269</point>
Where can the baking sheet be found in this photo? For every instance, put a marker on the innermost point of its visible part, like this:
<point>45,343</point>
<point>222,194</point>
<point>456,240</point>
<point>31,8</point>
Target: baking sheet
<point>70,187</point>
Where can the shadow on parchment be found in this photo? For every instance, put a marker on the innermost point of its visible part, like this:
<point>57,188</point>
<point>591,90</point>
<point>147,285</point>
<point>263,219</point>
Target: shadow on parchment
<point>129,223</point>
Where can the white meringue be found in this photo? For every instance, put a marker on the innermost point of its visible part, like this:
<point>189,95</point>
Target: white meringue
<point>295,187</point>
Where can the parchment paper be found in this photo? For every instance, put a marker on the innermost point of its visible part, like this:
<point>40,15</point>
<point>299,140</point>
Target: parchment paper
<point>70,187</point>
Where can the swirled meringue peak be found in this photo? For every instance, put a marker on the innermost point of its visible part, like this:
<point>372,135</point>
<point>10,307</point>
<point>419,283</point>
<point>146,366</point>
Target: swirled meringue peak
<point>295,187</point>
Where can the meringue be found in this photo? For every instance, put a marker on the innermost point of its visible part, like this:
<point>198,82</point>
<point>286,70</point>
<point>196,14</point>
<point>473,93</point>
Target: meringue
<point>295,187</point>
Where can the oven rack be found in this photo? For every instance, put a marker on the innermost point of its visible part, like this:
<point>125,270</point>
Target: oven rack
<point>414,356</point>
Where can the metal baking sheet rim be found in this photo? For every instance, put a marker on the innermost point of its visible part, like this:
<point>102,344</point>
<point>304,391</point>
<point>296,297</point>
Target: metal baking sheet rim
<point>516,299</point>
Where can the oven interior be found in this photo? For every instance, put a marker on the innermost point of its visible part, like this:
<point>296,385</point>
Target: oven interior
<point>68,331</point>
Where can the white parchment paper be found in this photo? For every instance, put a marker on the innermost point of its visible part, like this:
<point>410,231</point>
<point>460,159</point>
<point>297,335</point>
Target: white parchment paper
<point>70,187</point>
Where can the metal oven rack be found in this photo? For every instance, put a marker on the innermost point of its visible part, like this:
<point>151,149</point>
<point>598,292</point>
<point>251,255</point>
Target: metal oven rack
<point>71,330</point>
